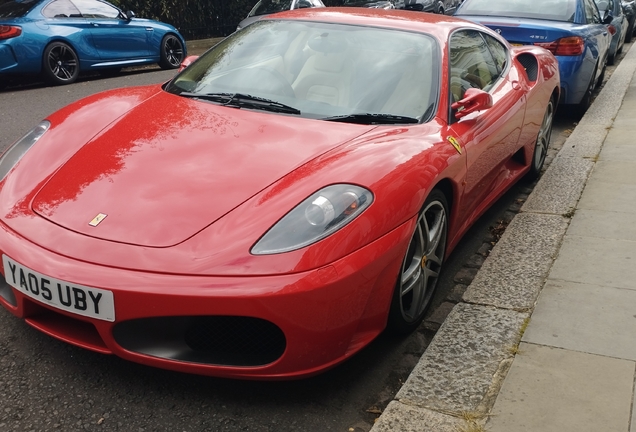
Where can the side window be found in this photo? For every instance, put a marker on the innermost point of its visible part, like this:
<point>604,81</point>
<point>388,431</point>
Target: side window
<point>61,9</point>
<point>591,12</point>
<point>97,9</point>
<point>499,53</point>
<point>471,64</point>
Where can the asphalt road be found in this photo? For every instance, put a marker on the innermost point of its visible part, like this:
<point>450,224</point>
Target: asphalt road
<point>48,385</point>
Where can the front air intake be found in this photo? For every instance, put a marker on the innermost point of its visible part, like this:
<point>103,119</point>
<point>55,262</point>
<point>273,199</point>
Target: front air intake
<point>214,340</point>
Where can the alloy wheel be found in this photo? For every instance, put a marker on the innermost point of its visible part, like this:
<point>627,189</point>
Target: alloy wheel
<point>423,262</point>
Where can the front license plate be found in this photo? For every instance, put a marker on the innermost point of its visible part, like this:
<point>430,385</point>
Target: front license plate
<point>78,299</point>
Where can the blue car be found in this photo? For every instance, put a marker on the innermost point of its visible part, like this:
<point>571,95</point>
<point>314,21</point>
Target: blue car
<point>618,27</point>
<point>572,30</point>
<point>61,38</point>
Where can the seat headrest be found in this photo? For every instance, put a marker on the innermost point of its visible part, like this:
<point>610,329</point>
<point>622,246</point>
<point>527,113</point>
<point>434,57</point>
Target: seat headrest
<point>328,43</point>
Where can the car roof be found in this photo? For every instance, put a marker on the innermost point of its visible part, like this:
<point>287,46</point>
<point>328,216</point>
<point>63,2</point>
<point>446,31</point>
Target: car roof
<point>437,25</point>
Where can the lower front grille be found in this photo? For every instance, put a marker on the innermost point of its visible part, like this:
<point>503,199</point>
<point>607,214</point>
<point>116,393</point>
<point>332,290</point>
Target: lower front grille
<point>217,340</point>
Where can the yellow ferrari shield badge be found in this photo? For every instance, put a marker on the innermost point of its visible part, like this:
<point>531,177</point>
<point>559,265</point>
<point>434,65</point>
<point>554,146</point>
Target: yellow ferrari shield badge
<point>455,144</point>
<point>97,219</point>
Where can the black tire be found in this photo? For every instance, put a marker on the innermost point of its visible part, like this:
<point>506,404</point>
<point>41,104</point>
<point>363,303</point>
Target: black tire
<point>601,77</point>
<point>60,64</point>
<point>611,59</point>
<point>171,52</point>
<point>630,32</point>
<point>421,266</point>
<point>542,143</point>
<point>585,103</point>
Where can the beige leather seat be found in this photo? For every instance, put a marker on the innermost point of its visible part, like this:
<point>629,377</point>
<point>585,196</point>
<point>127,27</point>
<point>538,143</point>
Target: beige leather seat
<point>326,76</point>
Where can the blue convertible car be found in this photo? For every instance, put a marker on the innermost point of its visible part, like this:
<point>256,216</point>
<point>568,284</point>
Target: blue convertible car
<point>61,38</point>
<point>571,29</point>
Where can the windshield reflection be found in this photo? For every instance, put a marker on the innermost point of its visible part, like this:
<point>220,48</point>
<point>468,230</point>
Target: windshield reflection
<point>323,70</point>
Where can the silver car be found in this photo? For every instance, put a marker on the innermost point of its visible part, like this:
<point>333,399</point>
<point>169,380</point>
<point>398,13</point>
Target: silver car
<point>447,7</point>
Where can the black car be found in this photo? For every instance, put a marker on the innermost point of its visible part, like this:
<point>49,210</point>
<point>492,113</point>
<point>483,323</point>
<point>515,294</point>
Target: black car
<point>629,9</point>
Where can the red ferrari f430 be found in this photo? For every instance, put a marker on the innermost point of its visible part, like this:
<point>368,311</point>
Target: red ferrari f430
<point>285,198</point>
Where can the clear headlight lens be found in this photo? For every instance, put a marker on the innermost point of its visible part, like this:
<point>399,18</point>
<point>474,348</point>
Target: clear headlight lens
<point>317,217</point>
<point>21,146</point>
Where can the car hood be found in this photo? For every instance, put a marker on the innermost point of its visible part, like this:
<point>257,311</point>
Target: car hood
<point>171,166</point>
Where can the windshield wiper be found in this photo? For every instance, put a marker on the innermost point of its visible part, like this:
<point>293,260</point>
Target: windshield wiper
<point>372,119</point>
<point>241,100</point>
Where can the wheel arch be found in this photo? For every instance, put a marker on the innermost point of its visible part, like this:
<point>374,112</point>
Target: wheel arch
<point>556,95</point>
<point>447,187</point>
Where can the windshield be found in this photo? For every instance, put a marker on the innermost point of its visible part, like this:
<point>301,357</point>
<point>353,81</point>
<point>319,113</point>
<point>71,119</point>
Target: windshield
<point>321,70</point>
<point>16,8</point>
<point>265,7</point>
<point>554,10</point>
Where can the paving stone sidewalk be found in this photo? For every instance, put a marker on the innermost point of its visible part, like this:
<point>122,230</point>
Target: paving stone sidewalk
<point>545,337</point>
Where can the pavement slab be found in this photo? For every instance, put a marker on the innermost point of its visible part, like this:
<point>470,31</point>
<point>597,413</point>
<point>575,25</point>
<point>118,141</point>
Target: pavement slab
<point>518,265</point>
<point>603,224</point>
<point>609,196</point>
<point>597,261</point>
<point>460,369</point>
<point>587,318</point>
<point>619,145</point>
<point>614,171</point>
<point>555,390</point>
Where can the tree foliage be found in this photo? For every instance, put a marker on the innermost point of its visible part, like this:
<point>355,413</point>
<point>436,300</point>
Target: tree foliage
<point>196,18</point>
<point>193,18</point>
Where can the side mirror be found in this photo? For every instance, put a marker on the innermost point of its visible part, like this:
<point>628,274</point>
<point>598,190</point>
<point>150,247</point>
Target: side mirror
<point>474,100</point>
<point>187,62</point>
<point>608,18</point>
<point>130,15</point>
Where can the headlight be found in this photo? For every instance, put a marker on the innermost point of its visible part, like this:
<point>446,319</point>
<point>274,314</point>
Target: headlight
<point>320,215</point>
<point>17,150</point>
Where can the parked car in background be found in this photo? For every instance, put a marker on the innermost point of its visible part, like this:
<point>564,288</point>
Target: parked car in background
<point>629,9</point>
<point>62,38</point>
<point>572,30</point>
<point>267,7</point>
<point>447,7</point>
<point>374,4</point>
<point>256,219</point>
<point>618,27</point>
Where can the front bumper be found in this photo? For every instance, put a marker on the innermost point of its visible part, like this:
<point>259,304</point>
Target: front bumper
<point>288,326</point>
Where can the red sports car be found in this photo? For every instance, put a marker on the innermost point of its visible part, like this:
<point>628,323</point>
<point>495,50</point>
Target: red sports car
<point>281,201</point>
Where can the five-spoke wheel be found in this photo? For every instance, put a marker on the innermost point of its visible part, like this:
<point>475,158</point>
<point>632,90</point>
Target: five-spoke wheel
<point>421,266</point>
<point>60,64</point>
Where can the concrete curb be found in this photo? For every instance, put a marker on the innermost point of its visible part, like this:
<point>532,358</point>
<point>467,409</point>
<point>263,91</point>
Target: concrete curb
<point>456,382</point>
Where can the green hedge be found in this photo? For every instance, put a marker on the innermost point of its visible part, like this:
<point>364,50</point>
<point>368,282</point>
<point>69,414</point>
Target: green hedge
<point>196,19</point>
